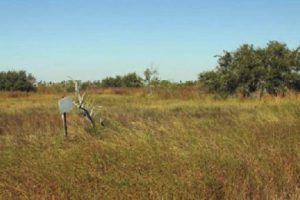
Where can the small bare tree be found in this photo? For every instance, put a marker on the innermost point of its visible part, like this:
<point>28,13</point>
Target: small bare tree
<point>87,108</point>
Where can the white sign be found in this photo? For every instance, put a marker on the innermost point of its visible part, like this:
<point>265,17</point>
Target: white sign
<point>65,104</point>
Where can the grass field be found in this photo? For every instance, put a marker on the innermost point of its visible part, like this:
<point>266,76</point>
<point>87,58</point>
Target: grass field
<point>152,147</point>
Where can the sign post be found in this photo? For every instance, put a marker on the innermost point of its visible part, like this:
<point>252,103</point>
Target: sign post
<point>65,106</point>
<point>64,116</point>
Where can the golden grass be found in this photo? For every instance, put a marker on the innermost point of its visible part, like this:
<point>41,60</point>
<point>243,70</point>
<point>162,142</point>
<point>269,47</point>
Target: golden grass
<point>152,147</point>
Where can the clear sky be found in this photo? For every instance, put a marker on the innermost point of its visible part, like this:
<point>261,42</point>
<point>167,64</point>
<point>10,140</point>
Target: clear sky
<point>92,39</point>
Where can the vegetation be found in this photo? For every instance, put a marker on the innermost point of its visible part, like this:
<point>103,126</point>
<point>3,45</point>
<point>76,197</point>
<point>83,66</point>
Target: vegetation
<point>16,81</point>
<point>177,143</point>
<point>151,147</point>
<point>131,80</point>
<point>248,70</point>
<point>151,76</point>
<point>128,80</point>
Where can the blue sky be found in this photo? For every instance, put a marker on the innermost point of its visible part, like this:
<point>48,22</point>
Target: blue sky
<point>92,39</point>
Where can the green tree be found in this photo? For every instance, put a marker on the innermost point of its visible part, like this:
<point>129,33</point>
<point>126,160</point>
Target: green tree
<point>128,80</point>
<point>272,69</point>
<point>151,76</point>
<point>132,80</point>
<point>17,81</point>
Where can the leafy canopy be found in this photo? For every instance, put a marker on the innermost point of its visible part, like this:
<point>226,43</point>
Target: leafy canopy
<point>17,81</point>
<point>273,69</point>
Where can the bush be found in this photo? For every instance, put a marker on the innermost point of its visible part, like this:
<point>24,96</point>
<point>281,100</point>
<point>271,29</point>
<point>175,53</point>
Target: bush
<point>128,80</point>
<point>17,81</point>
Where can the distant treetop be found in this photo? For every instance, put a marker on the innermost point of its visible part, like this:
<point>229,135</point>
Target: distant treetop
<point>17,81</point>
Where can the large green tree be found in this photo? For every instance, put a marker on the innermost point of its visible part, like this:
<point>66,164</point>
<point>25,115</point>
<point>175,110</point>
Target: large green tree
<point>273,69</point>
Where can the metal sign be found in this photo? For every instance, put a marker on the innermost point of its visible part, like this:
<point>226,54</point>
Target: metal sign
<point>65,105</point>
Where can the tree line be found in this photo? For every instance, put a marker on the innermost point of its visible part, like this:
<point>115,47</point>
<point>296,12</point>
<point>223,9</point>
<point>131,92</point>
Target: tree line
<point>21,81</point>
<point>273,69</point>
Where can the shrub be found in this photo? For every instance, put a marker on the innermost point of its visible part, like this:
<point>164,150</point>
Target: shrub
<point>17,81</point>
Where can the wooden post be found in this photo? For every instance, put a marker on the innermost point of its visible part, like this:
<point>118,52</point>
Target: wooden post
<point>64,116</point>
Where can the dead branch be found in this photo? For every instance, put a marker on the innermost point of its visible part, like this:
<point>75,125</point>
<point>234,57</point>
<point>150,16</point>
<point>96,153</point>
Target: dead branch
<point>86,108</point>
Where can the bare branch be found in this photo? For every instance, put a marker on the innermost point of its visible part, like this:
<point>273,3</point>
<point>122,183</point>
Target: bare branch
<point>87,108</point>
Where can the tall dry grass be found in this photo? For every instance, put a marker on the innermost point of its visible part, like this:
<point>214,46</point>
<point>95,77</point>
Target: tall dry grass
<point>160,146</point>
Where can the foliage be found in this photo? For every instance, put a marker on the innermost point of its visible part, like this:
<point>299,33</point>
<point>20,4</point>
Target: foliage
<point>188,83</point>
<point>248,70</point>
<point>128,80</point>
<point>16,81</point>
<point>132,80</point>
<point>151,76</point>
